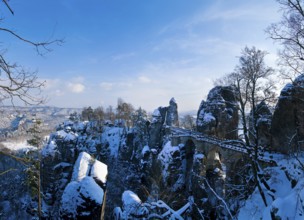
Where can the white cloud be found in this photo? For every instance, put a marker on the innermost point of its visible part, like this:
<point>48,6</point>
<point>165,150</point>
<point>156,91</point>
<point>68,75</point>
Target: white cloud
<point>76,87</point>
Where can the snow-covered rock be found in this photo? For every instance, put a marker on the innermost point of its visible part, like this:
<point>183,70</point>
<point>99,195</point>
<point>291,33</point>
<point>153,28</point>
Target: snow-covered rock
<point>82,166</point>
<point>111,137</point>
<point>218,115</point>
<point>287,128</point>
<point>132,205</point>
<point>83,196</point>
<point>287,181</point>
<point>99,172</point>
<point>82,199</point>
<point>172,166</point>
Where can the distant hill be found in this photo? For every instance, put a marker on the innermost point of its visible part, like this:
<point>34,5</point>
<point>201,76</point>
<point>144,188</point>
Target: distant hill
<point>15,120</point>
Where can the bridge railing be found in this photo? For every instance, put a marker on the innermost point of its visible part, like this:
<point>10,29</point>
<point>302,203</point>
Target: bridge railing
<point>235,145</point>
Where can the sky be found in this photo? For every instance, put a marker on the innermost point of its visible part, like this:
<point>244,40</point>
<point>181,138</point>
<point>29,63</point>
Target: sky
<point>143,51</point>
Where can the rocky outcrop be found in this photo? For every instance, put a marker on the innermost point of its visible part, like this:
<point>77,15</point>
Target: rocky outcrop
<point>218,115</point>
<point>172,114</point>
<point>160,117</point>
<point>84,195</point>
<point>58,158</point>
<point>263,125</point>
<point>287,128</point>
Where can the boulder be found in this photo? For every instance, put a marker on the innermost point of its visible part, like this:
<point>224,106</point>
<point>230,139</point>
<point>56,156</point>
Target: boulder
<point>83,197</point>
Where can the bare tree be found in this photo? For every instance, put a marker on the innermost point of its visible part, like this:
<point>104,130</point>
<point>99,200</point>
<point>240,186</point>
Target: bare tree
<point>87,114</point>
<point>110,114</point>
<point>17,82</point>
<point>124,111</point>
<point>289,32</point>
<point>252,81</point>
<point>188,121</point>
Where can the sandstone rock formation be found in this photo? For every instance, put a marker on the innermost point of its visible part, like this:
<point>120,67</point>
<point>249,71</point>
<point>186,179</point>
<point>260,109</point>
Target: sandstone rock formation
<point>287,128</point>
<point>160,117</point>
<point>263,125</point>
<point>218,115</point>
<point>172,114</point>
<point>83,196</point>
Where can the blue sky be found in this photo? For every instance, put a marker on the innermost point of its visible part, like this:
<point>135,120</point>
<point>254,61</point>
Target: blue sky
<point>144,51</point>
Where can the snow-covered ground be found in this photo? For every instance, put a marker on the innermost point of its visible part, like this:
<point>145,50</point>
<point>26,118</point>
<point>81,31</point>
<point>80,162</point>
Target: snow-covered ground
<point>288,182</point>
<point>16,146</point>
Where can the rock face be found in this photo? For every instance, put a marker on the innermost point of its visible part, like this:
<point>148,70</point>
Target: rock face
<point>263,123</point>
<point>218,115</point>
<point>160,117</point>
<point>70,142</point>
<point>172,114</point>
<point>287,127</point>
<point>83,196</point>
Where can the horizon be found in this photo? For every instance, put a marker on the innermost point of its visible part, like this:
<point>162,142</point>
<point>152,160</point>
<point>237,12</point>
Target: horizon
<point>143,52</point>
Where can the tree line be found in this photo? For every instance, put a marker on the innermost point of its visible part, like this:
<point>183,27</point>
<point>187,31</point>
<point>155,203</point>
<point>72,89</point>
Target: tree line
<point>123,114</point>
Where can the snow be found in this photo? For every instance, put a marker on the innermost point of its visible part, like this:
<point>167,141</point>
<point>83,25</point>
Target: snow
<point>154,151</point>
<point>112,136</point>
<point>172,100</point>
<point>62,165</point>
<point>156,113</point>
<point>81,167</point>
<point>77,193</point>
<point>289,201</point>
<point>86,165</point>
<point>99,171</point>
<point>90,189</point>
<point>129,198</point>
<point>83,189</point>
<point>69,200</point>
<point>199,156</point>
<point>205,117</point>
<point>156,116</point>
<point>132,204</point>
<point>16,146</point>
<point>208,117</point>
<point>145,150</point>
<point>68,136</point>
<point>165,156</point>
<point>49,149</point>
<point>80,126</point>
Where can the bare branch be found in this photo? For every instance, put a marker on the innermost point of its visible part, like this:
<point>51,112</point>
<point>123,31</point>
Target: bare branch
<point>7,5</point>
<point>38,45</point>
<point>6,171</point>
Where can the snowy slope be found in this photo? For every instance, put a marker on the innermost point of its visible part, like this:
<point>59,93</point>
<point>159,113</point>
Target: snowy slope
<point>288,182</point>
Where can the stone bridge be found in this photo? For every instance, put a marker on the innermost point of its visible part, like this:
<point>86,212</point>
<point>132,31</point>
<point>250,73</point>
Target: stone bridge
<point>227,155</point>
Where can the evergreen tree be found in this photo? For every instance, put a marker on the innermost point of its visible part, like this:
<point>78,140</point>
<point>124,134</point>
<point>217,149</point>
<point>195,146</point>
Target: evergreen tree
<point>33,158</point>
